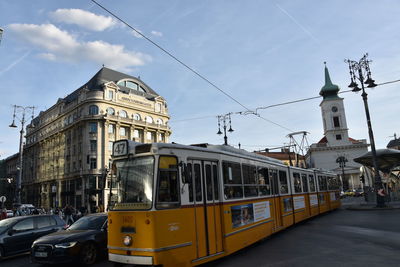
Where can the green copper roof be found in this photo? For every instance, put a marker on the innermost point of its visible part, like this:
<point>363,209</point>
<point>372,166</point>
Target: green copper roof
<point>329,90</point>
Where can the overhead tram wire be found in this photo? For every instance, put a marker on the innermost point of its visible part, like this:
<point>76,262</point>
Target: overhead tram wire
<point>276,105</point>
<point>187,66</point>
<point>171,55</point>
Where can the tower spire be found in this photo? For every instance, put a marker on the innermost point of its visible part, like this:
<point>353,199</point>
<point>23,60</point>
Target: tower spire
<point>329,90</point>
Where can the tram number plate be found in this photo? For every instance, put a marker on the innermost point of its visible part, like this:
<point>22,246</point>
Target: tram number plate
<point>41,254</point>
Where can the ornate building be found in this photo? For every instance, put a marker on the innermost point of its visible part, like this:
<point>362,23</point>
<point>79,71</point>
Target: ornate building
<point>336,150</point>
<point>68,147</point>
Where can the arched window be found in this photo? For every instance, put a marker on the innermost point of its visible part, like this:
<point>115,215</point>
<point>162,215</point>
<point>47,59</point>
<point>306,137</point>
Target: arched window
<point>136,117</point>
<point>93,110</point>
<point>123,114</point>
<point>160,121</point>
<point>149,119</point>
<point>132,85</point>
<point>110,111</point>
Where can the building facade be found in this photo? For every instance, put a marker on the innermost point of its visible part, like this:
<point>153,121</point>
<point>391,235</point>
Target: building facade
<point>336,150</point>
<point>68,147</point>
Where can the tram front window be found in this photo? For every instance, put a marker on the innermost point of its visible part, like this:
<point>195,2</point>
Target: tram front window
<point>134,183</point>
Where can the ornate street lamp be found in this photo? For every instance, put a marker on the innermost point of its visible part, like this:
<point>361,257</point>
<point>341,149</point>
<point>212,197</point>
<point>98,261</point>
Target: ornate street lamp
<point>224,119</point>
<point>342,163</point>
<point>358,71</point>
<point>18,182</point>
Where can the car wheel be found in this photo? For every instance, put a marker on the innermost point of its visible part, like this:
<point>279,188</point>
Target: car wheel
<point>88,254</point>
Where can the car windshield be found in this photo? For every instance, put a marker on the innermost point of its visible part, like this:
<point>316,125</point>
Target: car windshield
<point>134,180</point>
<point>4,224</point>
<point>89,223</point>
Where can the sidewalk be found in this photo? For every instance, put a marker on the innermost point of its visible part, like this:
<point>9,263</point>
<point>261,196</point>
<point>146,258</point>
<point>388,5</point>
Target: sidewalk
<point>359,203</point>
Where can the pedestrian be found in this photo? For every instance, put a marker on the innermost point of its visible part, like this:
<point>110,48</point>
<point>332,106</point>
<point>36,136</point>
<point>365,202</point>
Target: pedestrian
<point>83,210</point>
<point>68,214</point>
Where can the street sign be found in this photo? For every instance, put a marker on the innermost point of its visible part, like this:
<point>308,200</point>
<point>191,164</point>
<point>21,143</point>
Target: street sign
<point>3,199</point>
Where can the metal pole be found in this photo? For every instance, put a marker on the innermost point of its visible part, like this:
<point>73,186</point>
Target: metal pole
<point>380,200</point>
<point>225,137</point>
<point>19,175</point>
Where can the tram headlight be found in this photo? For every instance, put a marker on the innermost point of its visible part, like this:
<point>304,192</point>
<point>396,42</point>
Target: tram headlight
<point>127,240</point>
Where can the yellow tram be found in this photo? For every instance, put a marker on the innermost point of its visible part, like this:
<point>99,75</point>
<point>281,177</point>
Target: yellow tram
<point>183,205</point>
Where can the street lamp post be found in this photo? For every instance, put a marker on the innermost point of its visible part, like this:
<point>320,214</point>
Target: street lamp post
<point>342,163</point>
<point>223,119</point>
<point>358,71</point>
<point>18,182</point>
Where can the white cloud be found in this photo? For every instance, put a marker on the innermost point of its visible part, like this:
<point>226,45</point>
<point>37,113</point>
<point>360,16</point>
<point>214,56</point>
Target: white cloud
<point>113,55</point>
<point>156,33</point>
<point>83,18</point>
<point>60,45</point>
<point>137,35</point>
<point>48,56</point>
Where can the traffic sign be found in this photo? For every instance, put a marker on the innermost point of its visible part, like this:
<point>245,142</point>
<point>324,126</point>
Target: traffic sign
<point>3,199</point>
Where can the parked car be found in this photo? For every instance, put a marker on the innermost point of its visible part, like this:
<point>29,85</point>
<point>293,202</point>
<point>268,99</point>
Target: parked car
<point>83,241</point>
<point>18,233</point>
<point>349,193</point>
<point>10,213</point>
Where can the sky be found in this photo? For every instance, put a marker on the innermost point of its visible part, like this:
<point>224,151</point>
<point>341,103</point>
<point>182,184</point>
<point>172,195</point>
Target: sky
<point>257,53</point>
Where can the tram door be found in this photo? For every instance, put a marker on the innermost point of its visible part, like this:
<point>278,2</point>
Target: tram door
<point>276,200</point>
<point>207,208</point>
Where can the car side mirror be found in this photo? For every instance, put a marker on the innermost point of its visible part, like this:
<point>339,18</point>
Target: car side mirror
<point>11,232</point>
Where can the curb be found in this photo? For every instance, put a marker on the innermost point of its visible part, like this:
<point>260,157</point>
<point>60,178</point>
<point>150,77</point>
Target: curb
<point>370,208</point>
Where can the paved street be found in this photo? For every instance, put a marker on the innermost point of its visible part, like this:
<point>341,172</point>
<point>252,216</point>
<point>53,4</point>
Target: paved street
<point>339,238</point>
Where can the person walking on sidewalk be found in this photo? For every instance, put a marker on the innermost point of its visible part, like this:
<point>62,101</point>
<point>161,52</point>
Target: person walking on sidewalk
<point>68,214</point>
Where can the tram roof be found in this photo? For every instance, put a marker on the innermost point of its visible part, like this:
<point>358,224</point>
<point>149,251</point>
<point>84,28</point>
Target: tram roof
<point>227,150</point>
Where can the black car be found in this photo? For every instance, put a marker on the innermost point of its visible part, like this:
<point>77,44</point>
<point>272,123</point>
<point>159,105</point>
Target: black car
<point>18,233</point>
<point>83,241</point>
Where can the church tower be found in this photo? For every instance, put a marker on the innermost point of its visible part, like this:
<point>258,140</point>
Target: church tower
<point>335,151</point>
<point>333,114</point>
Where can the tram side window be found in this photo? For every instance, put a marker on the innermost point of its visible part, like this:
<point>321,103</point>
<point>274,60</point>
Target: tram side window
<point>283,189</point>
<point>190,181</point>
<point>311,182</point>
<point>216,183</point>
<point>263,181</point>
<point>333,183</point>
<point>330,182</point>
<point>274,178</point>
<point>297,182</point>
<point>197,182</point>
<point>250,180</point>
<point>322,183</point>
<point>232,177</point>
<point>304,180</point>
<point>168,187</point>
<point>209,183</point>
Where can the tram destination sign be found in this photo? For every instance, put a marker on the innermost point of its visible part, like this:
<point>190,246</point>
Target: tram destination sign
<point>120,148</point>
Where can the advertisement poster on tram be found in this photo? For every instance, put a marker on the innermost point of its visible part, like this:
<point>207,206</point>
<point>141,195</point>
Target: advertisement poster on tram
<point>249,213</point>
<point>287,204</point>
<point>298,203</point>
<point>313,200</point>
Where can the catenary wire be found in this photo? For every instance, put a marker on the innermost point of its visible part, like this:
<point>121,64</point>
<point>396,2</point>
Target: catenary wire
<point>187,66</point>
<point>276,105</point>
